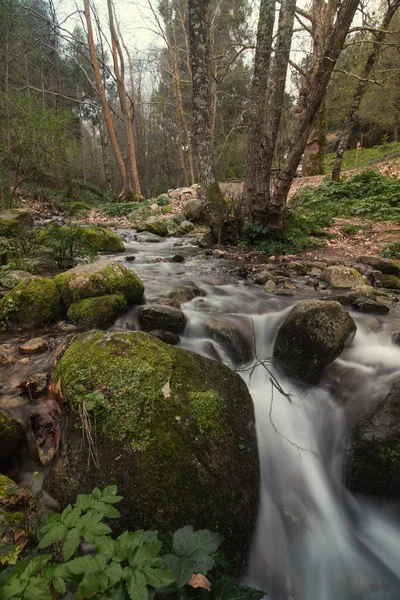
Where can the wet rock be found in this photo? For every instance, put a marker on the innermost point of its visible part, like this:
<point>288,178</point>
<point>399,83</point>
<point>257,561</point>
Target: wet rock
<point>174,425</point>
<point>312,336</point>
<point>154,225</point>
<point>131,258</point>
<point>185,293</point>
<point>385,265</point>
<point>391,282</point>
<point>158,316</point>
<point>6,355</point>
<point>100,312</point>
<point>166,336</point>
<point>315,272</point>
<point>32,303</point>
<point>341,278</point>
<point>101,278</point>
<point>219,253</point>
<point>148,238</point>
<point>367,305</point>
<point>270,286</point>
<point>178,218</point>
<point>229,336</point>
<point>298,267</point>
<point>178,258</point>
<point>33,346</point>
<point>14,221</point>
<point>373,456</point>
<point>289,285</point>
<point>317,265</point>
<point>195,210</point>
<point>185,227</point>
<point>282,292</point>
<point>206,240</point>
<point>12,437</point>
<point>264,276</point>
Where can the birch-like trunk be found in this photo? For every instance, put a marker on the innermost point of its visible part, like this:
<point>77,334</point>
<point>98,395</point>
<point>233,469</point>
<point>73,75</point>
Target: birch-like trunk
<point>360,88</point>
<point>315,94</point>
<point>201,91</point>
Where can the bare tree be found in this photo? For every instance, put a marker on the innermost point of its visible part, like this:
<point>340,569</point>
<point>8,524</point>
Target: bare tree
<point>359,90</point>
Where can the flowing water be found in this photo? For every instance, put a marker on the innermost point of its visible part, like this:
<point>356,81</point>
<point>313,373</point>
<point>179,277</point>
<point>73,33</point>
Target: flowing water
<point>314,539</point>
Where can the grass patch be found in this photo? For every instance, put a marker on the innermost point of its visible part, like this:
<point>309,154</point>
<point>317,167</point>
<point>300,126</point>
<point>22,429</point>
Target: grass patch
<point>366,156</point>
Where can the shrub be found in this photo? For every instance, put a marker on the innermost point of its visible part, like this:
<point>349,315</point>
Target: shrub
<point>65,245</point>
<point>123,209</point>
<point>162,200</point>
<point>132,565</point>
<point>391,250</point>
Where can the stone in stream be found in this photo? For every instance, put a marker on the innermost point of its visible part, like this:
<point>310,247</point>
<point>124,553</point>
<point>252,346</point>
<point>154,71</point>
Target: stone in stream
<point>391,282</point>
<point>166,336</point>
<point>100,312</point>
<point>185,293</point>
<point>157,316</point>
<point>33,346</point>
<point>148,238</point>
<point>367,305</point>
<point>177,258</point>
<point>384,265</point>
<point>12,437</point>
<point>100,278</point>
<point>154,225</point>
<point>32,303</point>
<point>229,336</point>
<point>341,278</point>
<point>14,221</point>
<point>175,431</point>
<point>130,258</point>
<point>313,334</point>
<point>373,455</point>
<point>102,239</point>
<point>263,277</point>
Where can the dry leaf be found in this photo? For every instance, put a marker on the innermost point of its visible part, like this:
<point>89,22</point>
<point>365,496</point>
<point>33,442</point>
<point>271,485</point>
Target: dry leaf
<point>54,393</point>
<point>200,581</point>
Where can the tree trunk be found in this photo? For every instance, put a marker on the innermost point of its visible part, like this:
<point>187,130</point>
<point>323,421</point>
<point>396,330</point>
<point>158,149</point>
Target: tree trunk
<point>360,88</point>
<point>256,189</point>
<point>314,153</point>
<point>201,91</point>
<point>102,93</point>
<point>314,96</point>
<point>104,154</point>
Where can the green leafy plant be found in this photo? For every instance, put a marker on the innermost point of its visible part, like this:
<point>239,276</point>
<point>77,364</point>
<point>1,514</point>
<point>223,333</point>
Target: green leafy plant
<point>10,306</point>
<point>123,209</point>
<point>130,566</point>
<point>65,245</point>
<point>162,200</point>
<point>391,250</point>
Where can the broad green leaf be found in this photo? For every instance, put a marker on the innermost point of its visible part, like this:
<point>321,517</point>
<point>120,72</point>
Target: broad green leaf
<point>113,573</point>
<point>202,562</point>
<point>37,564</point>
<point>59,585</point>
<point>86,565</point>
<point>91,518</point>
<point>109,495</point>
<point>158,577</point>
<point>91,585</point>
<point>84,501</point>
<point>12,589</point>
<point>96,493</point>
<point>71,519</point>
<point>38,589</point>
<point>50,522</point>
<point>105,545</point>
<point>71,543</point>
<point>230,589</point>
<point>186,541</point>
<point>118,592</point>
<point>98,529</point>
<point>181,567</point>
<point>107,510</point>
<point>145,554</point>
<point>149,536</point>
<point>55,534</point>
<point>136,585</point>
<point>126,543</point>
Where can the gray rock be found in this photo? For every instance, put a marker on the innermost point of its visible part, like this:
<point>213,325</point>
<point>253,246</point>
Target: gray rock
<point>367,305</point>
<point>264,276</point>
<point>195,210</point>
<point>177,258</point>
<point>147,237</point>
<point>385,265</point>
<point>159,316</point>
<point>166,336</point>
<point>342,278</point>
<point>312,336</point>
<point>185,293</point>
<point>298,267</point>
<point>231,339</point>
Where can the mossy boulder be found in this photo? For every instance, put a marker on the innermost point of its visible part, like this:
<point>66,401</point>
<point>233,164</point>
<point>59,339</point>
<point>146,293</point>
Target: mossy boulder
<point>312,336</point>
<point>195,210</point>
<point>100,312</point>
<point>101,239</point>
<point>391,282</point>
<point>384,265</point>
<point>154,225</point>
<point>32,303</point>
<point>373,455</point>
<point>100,278</point>
<point>174,430</point>
<point>342,278</point>
<point>12,437</point>
<point>14,221</point>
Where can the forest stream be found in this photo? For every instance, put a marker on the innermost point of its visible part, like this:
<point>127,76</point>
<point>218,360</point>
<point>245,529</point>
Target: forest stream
<point>314,539</point>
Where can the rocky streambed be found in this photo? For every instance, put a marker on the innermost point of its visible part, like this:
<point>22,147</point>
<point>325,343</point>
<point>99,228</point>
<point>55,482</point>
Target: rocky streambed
<point>316,345</point>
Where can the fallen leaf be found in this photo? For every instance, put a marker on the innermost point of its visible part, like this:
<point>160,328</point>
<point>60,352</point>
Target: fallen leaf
<point>54,393</point>
<point>199,581</point>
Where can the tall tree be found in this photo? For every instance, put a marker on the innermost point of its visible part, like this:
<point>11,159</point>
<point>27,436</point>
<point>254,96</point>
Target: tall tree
<point>379,36</point>
<point>201,90</point>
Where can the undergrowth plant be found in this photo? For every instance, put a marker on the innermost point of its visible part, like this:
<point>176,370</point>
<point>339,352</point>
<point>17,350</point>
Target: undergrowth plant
<point>135,565</point>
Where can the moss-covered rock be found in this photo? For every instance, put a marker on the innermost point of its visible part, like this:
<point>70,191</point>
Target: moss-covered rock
<point>154,225</point>
<point>341,278</point>
<point>385,265</point>
<point>32,303</point>
<point>391,282</point>
<point>14,221</point>
<point>373,456</point>
<point>101,239</point>
<point>100,312</point>
<point>101,278</point>
<point>175,431</point>
<point>313,334</point>
<point>12,437</point>
<point>195,210</point>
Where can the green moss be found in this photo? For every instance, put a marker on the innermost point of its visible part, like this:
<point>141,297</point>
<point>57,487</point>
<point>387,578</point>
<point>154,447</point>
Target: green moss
<point>100,312</point>
<point>389,453</point>
<point>11,437</point>
<point>13,221</point>
<point>208,409</point>
<point>154,225</point>
<point>101,278</point>
<point>32,303</point>
<point>391,281</point>
<point>102,240</point>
